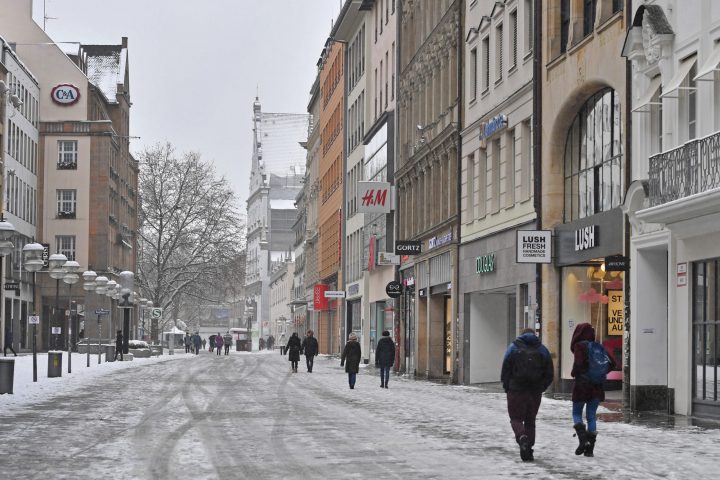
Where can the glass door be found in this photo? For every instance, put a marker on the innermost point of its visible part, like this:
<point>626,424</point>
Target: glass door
<point>706,329</point>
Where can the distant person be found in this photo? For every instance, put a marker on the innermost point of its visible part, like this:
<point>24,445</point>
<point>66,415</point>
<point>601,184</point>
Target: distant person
<point>119,345</point>
<point>203,343</point>
<point>527,371</point>
<point>293,349</point>
<point>211,339</point>
<point>218,343</point>
<point>282,342</point>
<point>385,357</point>
<point>197,342</point>
<point>591,363</point>
<point>310,348</point>
<point>227,341</point>
<point>187,342</point>
<point>351,355</point>
<point>261,344</point>
<point>9,343</point>
<point>270,342</point>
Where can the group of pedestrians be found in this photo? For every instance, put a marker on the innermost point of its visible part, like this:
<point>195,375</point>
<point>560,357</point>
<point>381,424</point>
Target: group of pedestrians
<point>527,371</point>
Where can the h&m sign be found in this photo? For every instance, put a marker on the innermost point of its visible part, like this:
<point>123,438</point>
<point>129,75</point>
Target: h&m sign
<point>374,197</point>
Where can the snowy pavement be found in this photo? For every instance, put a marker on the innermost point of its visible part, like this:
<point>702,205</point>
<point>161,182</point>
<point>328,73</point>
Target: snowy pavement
<point>246,416</point>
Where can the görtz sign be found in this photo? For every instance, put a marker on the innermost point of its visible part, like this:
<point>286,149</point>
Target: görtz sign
<point>65,94</point>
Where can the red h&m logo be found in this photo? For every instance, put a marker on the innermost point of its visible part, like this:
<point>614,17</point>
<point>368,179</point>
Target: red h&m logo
<point>374,197</point>
<point>319,300</point>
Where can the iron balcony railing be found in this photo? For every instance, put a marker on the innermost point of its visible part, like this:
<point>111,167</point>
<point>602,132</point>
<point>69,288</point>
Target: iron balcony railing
<point>687,170</point>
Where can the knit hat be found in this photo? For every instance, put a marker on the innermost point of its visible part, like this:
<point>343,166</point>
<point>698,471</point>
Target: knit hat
<point>386,333</point>
<point>352,337</point>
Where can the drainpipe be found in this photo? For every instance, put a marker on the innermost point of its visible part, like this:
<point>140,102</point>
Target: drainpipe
<point>537,146</point>
<point>456,271</point>
<point>627,229</point>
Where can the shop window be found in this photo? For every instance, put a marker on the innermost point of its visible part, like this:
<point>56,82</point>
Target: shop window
<point>706,329</point>
<point>593,158</point>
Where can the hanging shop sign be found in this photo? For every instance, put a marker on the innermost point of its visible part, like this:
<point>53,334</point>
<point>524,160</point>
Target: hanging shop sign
<point>534,246</point>
<point>387,258</point>
<point>319,300</point>
<point>485,263</point>
<point>616,263</point>
<point>374,197</point>
<point>615,312</point>
<point>334,293</point>
<point>439,241</point>
<point>394,289</point>
<point>586,237</point>
<point>65,94</point>
<point>408,247</point>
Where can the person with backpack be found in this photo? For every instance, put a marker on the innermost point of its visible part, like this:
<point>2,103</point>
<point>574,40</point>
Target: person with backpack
<point>527,371</point>
<point>591,363</point>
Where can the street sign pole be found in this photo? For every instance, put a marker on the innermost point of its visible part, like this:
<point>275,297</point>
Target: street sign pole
<point>34,320</point>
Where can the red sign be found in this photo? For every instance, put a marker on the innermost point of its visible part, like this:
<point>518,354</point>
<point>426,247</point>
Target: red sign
<point>371,253</point>
<point>319,300</point>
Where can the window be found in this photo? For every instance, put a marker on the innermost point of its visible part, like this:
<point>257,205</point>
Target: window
<point>473,74</point>
<point>65,244</point>
<point>510,169</point>
<point>706,329</point>
<point>470,194</point>
<point>513,39</point>
<point>593,158</point>
<point>66,203</point>
<point>564,24</point>
<point>486,63</point>
<point>67,154</point>
<point>589,16</point>
<point>498,53</point>
<point>617,5</point>
<point>495,176</point>
<point>529,26</point>
<point>692,102</point>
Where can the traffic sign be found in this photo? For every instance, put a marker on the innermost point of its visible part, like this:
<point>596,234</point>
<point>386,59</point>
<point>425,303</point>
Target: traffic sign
<point>156,313</point>
<point>34,319</point>
<point>102,311</point>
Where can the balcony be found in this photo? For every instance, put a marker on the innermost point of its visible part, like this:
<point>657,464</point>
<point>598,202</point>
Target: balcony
<point>66,165</point>
<point>690,169</point>
<point>69,214</point>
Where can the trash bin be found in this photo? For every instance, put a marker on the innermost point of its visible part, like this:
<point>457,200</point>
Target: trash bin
<point>54,364</point>
<point>240,345</point>
<point>109,353</point>
<point>7,374</point>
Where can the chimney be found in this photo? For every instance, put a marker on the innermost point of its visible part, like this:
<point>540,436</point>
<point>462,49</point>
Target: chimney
<point>124,42</point>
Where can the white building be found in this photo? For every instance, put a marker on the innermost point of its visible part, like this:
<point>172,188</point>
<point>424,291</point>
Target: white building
<point>281,291</point>
<point>673,206</point>
<point>20,147</point>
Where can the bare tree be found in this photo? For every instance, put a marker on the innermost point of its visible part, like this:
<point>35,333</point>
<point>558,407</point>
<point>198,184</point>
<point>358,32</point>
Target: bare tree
<point>190,228</point>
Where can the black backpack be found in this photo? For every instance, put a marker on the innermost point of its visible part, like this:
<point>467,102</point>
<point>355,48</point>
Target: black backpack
<point>528,367</point>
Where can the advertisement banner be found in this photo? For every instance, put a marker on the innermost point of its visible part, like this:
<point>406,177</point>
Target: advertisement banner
<point>320,302</point>
<point>615,311</point>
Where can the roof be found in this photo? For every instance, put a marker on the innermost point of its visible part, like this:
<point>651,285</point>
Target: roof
<point>106,68</point>
<point>278,204</point>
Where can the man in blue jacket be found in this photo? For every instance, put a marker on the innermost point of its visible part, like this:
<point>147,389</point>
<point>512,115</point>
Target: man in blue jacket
<point>527,371</point>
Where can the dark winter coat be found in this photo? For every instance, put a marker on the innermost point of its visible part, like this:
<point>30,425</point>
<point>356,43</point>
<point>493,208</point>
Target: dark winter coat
<point>293,348</point>
<point>218,341</point>
<point>310,346</point>
<point>351,356</point>
<point>385,352</point>
<point>8,339</point>
<point>583,390</point>
<point>506,375</point>
<point>196,341</point>
<point>119,341</point>
<point>186,340</point>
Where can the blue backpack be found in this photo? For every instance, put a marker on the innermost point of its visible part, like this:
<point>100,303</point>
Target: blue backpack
<point>598,363</point>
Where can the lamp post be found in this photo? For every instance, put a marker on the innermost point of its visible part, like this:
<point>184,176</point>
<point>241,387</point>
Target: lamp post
<point>56,263</point>
<point>89,286</point>
<point>100,288</point>
<point>126,301</point>
<point>110,293</point>
<point>71,266</point>
<point>33,262</point>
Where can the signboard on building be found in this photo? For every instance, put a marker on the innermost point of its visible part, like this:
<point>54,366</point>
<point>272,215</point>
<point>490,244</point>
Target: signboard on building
<point>334,293</point>
<point>485,263</point>
<point>34,319</point>
<point>615,312</point>
<point>681,273</point>
<point>492,126</point>
<point>408,247</point>
<point>586,237</point>
<point>440,240</point>
<point>616,263</point>
<point>534,246</point>
<point>65,94</point>
<point>46,254</point>
<point>394,289</point>
<point>387,258</point>
<point>12,286</point>
<point>319,300</point>
<point>374,197</point>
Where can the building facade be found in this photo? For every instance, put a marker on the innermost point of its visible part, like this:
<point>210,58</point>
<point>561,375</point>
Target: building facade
<point>496,293</point>
<point>429,116</point>
<point>672,206</point>
<point>282,320</point>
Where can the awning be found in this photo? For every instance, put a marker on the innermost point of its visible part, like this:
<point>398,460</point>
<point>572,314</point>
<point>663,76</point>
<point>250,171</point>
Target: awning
<point>680,75</point>
<point>710,65</point>
<point>646,98</point>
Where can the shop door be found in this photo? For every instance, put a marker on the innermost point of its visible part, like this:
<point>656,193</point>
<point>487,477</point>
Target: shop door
<point>706,330</point>
<point>448,334</point>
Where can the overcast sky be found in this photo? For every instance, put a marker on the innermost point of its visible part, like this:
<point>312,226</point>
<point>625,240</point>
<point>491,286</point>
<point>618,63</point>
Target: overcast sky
<point>195,65</point>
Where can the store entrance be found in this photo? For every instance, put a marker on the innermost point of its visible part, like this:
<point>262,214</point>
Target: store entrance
<point>493,325</point>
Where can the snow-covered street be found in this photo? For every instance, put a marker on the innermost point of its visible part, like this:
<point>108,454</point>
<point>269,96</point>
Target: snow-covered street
<point>246,416</point>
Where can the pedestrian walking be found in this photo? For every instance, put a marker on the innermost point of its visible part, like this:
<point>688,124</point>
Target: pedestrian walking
<point>385,357</point>
<point>203,343</point>
<point>218,343</point>
<point>293,348</point>
<point>310,348</point>
<point>351,359</point>
<point>261,344</point>
<point>187,342</point>
<point>8,344</point>
<point>211,339</point>
<point>227,341</point>
<point>119,345</point>
<point>196,341</point>
<point>591,363</point>
<point>527,371</point>
<point>282,342</point>
<point>270,342</point>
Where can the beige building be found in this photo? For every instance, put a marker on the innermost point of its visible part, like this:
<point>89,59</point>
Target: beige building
<point>87,177</point>
<point>281,291</point>
<point>584,173</point>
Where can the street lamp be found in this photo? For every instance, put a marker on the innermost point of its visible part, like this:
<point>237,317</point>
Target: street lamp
<point>33,262</point>
<point>110,292</point>
<point>89,285</point>
<point>56,270</point>
<point>71,278</point>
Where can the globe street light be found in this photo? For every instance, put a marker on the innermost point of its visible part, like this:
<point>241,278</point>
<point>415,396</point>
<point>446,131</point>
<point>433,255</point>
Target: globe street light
<point>56,262</point>
<point>71,278</point>
<point>33,262</point>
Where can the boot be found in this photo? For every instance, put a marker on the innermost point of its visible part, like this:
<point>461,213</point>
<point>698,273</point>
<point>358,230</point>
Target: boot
<point>582,438</point>
<point>591,436</point>
<point>526,452</point>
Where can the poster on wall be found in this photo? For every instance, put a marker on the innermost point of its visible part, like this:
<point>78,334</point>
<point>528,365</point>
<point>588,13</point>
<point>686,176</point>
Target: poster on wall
<point>615,311</point>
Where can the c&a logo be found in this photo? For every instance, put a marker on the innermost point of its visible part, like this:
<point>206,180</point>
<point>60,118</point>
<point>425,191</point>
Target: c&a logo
<point>65,94</point>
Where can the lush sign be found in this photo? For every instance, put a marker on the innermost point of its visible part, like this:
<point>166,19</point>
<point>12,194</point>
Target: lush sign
<point>585,238</point>
<point>534,246</point>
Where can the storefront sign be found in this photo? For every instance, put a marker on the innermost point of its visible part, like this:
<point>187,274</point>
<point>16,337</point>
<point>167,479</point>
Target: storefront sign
<point>492,126</point>
<point>485,263</point>
<point>440,241</point>
<point>585,237</point>
<point>387,258</point>
<point>319,300</point>
<point>353,289</point>
<point>394,289</point>
<point>616,263</point>
<point>334,293</point>
<point>534,246</point>
<point>12,286</point>
<point>408,247</point>
<point>65,94</point>
<point>681,271</point>
<point>374,197</point>
<point>615,312</point>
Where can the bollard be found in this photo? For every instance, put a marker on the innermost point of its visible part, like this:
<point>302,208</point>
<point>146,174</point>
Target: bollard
<point>7,375</point>
<point>109,353</point>
<point>54,364</point>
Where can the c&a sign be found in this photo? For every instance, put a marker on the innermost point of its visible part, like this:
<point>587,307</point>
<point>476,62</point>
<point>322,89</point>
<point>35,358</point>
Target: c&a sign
<point>65,94</point>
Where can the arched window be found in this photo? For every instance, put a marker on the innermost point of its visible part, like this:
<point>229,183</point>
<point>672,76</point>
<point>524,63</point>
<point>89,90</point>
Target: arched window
<point>593,158</point>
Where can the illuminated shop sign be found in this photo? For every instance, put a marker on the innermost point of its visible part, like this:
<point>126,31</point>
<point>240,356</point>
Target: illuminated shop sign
<point>485,263</point>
